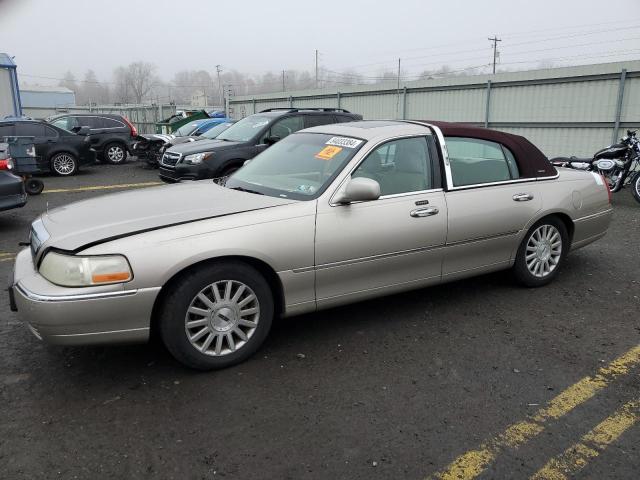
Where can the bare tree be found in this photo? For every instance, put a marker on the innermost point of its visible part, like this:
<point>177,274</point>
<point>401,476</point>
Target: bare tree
<point>141,78</point>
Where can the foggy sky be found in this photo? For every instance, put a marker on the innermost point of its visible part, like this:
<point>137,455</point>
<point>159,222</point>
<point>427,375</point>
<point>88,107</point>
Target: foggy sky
<point>49,37</point>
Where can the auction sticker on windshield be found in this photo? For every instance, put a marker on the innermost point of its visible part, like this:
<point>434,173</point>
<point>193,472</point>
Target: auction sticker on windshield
<point>327,153</point>
<point>344,142</point>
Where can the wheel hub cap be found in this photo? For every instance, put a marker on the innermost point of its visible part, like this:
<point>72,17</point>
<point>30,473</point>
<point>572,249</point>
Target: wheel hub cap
<point>222,317</point>
<point>543,250</point>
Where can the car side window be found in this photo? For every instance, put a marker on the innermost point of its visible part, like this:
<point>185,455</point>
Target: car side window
<point>399,166</point>
<point>6,130</point>
<point>317,120</point>
<point>66,123</point>
<point>110,123</point>
<point>474,161</point>
<point>285,127</point>
<point>30,130</point>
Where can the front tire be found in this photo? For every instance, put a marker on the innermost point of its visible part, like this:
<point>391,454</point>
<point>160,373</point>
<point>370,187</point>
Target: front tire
<point>64,164</point>
<point>115,153</point>
<point>541,252</point>
<point>216,316</point>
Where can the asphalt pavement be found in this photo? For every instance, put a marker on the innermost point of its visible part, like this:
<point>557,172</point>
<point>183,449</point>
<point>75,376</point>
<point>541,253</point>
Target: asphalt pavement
<point>477,378</point>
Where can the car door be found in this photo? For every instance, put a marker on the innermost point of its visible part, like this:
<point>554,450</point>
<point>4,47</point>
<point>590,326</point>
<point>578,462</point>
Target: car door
<point>389,244</point>
<point>40,140</point>
<point>488,205</point>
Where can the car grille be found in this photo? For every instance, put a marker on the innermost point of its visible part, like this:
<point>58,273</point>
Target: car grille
<point>170,159</point>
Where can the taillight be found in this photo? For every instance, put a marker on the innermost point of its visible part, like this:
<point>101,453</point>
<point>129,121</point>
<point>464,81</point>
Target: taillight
<point>134,131</point>
<point>606,184</point>
<point>6,164</point>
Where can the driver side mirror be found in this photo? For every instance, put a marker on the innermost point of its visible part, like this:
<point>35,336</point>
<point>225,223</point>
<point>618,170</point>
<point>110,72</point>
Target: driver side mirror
<point>82,130</point>
<point>359,189</point>
<point>271,140</point>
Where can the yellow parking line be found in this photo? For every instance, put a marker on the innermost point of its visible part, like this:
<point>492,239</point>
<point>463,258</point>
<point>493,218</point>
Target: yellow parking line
<point>5,254</point>
<point>472,463</point>
<point>6,259</point>
<point>102,187</point>
<point>590,445</point>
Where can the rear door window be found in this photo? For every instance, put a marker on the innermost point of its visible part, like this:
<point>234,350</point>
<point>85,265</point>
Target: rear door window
<point>6,130</point>
<point>316,120</point>
<point>30,130</point>
<point>474,161</point>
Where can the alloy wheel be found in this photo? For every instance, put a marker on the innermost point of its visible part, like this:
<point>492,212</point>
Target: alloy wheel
<point>543,251</point>
<point>64,164</point>
<point>115,154</point>
<point>222,317</point>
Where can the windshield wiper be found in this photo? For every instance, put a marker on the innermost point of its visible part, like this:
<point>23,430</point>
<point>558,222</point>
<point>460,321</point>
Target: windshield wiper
<point>240,189</point>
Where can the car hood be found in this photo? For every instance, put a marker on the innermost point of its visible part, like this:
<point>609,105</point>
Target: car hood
<point>101,219</point>
<point>205,146</point>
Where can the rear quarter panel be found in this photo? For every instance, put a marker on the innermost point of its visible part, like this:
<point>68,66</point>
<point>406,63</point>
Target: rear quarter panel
<point>583,197</point>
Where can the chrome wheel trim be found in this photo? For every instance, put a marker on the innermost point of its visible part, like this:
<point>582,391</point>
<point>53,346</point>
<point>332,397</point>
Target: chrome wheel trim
<point>115,153</point>
<point>543,250</point>
<point>637,185</point>
<point>222,318</point>
<point>64,164</point>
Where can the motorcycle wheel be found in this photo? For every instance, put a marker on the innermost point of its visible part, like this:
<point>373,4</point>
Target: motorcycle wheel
<point>635,187</point>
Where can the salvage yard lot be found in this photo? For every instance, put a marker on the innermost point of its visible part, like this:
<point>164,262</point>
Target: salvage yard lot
<point>454,379</point>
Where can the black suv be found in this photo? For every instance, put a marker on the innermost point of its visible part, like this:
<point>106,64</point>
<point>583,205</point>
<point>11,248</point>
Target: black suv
<point>243,141</point>
<point>57,150</point>
<point>112,136</point>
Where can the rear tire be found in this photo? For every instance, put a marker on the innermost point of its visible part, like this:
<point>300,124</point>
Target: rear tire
<point>64,164</point>
<point>208,329</point>
<point>115,153</point>
<point>635,187</point>
<point>541,252</point>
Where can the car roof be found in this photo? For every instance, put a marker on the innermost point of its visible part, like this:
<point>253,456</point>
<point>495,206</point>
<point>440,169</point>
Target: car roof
<point>531,161</point>
<point>371,129</point>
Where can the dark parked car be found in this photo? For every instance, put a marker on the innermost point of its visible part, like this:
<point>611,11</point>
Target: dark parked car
<point>57,150</point>
<point>12,192</point>
<point>112,136</point>
<point>243,141</point>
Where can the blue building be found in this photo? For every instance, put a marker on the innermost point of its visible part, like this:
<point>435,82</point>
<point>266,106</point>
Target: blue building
<point>9,92</point>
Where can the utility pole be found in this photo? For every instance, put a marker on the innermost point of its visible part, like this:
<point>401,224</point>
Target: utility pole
<point>495,41</point>
<point>316,68</point>
<point>283,87</point>
<point>218,70</point>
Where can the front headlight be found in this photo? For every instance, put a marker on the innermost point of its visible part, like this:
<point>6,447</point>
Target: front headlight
<point>197,158</point>
<point>74,271</point>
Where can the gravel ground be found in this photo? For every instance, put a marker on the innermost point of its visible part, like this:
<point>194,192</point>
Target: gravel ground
<point>391,388</point>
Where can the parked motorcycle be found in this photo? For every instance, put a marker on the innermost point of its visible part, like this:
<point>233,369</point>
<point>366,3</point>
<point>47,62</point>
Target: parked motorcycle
<point>619,164</point>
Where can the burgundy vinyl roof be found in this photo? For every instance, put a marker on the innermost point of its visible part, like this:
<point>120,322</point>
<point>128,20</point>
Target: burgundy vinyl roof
<point>531,161</point>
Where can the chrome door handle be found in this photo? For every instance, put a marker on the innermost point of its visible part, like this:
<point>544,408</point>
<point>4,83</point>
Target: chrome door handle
<point>522,197</point>
<point>424,212</point>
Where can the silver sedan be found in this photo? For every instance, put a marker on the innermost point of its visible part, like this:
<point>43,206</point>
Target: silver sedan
<point>327,216</point>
